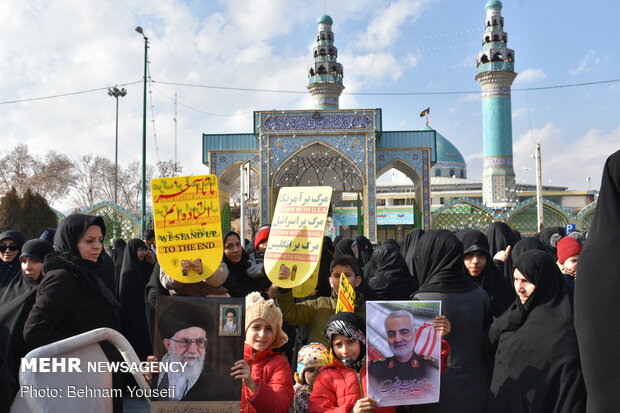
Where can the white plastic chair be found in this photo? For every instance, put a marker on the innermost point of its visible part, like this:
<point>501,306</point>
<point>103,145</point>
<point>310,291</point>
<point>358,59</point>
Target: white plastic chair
<point>85,347</point>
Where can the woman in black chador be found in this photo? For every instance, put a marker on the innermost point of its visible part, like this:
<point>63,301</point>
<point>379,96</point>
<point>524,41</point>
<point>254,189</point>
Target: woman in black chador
<point>597,311</point>
<point>11,243</point>
<point>134,276</point>
<point>479,266</point>
<point>537,367</point>
<point>439,268</point>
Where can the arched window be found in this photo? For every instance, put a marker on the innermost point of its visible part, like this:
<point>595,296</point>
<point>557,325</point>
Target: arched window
<point>316,54</point>
<point>451,172</point>
<point>311,72</point>
<point>437,172</point>
<point>484,59</point>
<point>487,39</point>
<point>462,173</point>
<point>497,57</point>
<point>505,37</point>
<point>322,36</point>
<point>322,52</point>
<point>322,70</point>
<point>510,58</point>
<point>496,37</point>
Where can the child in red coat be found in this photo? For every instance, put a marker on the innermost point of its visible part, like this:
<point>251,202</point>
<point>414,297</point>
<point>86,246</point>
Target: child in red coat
<point>267,382</point>
<point>341,386</point>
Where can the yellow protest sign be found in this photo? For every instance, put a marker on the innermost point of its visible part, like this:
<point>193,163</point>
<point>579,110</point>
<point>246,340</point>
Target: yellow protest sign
<point>346,296</point>
<point>186,211</point>
<point>296,235</point>
<point>308,286</point>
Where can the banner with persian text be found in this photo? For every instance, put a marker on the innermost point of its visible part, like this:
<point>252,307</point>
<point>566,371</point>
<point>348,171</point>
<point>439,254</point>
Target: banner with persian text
<point>296,235</point>
<point>188,230</point>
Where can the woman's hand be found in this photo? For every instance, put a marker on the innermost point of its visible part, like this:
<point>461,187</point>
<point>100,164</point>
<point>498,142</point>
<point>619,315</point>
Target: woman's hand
<point>503,255</point>
<point>441,323</point>
<point>365,405</point>
<point>241,370</point>
<point>271,292</point>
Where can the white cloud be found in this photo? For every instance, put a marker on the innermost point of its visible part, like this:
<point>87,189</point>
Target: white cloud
<point>530,75</point>
<point>385,28</point>
<point>585,65</point>
<point>566,160</point>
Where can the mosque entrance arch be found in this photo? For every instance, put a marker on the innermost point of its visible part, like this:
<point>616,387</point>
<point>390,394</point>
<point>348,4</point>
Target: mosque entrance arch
<point>318,164</point>
<point>399,200</point>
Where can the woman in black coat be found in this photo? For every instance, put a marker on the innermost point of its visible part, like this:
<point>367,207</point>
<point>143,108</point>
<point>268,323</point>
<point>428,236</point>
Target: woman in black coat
<point>71,298</point>
<point>537,366</point>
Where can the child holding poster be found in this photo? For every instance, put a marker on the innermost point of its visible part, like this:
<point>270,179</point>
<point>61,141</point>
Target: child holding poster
<point>267,384</point>
<point>317,311</point>
<point>341,386</point>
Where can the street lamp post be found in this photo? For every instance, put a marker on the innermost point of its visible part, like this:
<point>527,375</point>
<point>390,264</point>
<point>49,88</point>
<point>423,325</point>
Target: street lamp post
<point>143,210</point>
<point>116,93</point>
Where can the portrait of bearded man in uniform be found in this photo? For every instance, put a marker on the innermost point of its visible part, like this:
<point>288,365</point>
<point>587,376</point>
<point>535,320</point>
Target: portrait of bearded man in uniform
<point>405,375</point>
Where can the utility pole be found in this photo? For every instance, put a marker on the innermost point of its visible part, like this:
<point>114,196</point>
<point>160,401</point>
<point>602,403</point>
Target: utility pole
<point>116,93</point>
<point>539,197</point>
<point>143,209</point>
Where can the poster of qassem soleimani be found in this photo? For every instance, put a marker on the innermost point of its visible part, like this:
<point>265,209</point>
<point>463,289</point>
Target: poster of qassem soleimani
<point>403,352</point>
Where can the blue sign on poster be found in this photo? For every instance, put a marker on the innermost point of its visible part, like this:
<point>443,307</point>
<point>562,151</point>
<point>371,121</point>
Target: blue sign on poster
<point>568,228</point>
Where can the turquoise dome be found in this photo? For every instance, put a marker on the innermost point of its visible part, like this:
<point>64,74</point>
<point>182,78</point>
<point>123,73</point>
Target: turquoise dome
<point>494,4</point>
<point>446,152</point>
<point>325,19</point>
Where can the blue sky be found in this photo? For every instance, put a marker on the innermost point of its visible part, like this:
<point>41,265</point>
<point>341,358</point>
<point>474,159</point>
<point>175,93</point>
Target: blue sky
<point>385,46</point>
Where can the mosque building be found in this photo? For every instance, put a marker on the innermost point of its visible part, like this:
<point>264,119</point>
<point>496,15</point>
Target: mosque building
<point>349,150</point>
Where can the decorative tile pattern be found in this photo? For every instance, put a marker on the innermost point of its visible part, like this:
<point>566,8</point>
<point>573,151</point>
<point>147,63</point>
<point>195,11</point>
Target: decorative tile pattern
<point>220,161</point>
<point>313,121</point>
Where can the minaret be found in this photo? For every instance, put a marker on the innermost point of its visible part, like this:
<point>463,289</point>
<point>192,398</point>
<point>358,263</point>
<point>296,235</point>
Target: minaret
<point>325,74</point>
<point>495,74</point>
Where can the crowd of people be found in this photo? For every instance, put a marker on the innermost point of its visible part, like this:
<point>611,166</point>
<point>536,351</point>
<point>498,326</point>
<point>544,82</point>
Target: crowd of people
<point>511,341</point>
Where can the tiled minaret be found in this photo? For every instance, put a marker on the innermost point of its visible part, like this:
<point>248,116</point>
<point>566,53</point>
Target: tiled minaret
<point>325,75</point>
<point>495,74</point>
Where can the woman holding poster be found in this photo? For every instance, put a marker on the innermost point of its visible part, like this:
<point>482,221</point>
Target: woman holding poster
<point>537,366</point>
<point>439,268</point>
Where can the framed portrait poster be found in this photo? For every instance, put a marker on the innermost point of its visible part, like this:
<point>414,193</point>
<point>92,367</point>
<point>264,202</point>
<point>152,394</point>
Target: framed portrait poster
<point>403,352</point>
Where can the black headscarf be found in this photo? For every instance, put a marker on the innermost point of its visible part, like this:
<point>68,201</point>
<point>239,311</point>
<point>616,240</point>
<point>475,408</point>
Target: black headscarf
<point>238,282</point>
<point>526,244</point>
<point>66,238</point>
<point>407,248</point>
<point>15,305</point>
<point>71,229</point>
<point>135,275</point>
<point>597,314</point>
<point>439,263</point>
<point>500,293</point>
<point>352,326</point>
<point>9,270</point>
<point>22,284</point>
<point>537,365</point>
<point>388,276</point>
<point>327,254</point>
<point>364,250</point>
<point>500,236</point>
<point>343,247</point>
<point>545,236</point>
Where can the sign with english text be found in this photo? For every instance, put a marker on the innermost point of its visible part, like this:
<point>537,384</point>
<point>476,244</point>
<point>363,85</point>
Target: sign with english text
<point>186,212</point>
<point>296,235</point>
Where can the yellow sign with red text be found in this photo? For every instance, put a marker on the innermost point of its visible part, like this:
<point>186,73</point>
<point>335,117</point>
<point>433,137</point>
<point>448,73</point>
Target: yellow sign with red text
<point>188,230</point>
<point>346,296</point>
<point>296,235</point>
